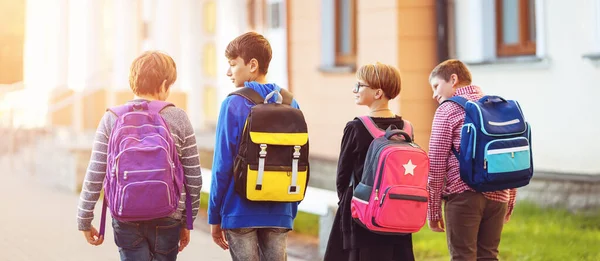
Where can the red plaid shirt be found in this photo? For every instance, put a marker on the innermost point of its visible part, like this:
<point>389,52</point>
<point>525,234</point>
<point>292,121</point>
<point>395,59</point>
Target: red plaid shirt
<point>447,122</point>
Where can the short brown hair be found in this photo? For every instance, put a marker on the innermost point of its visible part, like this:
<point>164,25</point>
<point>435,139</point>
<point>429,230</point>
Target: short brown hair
<point>251,45</point>
<point>381,76</point>
<point>449,67</point>
<point>149,70</point>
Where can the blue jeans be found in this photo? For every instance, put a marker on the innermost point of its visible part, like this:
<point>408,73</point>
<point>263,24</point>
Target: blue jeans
<point>152,240</point>
<point>254,244</point>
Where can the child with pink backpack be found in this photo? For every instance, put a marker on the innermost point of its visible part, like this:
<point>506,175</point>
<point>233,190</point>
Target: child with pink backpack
<point>145,158</point>
<point>381,177</point>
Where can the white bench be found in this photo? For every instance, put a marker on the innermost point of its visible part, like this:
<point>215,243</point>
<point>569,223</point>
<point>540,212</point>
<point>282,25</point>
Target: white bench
<point>317,201</point>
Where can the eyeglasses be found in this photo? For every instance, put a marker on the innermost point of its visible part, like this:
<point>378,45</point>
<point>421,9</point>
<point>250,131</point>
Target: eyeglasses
<point>357,87</point>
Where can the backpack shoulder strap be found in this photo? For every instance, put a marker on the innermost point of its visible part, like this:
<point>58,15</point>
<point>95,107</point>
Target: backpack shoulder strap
<point>249,94</point>
<point>461,101</point>
<point>288,97</point>
<point>153,106</point>
<point>254,97</point>
<point>375,131</point>
<point>157,106</point>
<point>120,110</point>
<point>408,128</point>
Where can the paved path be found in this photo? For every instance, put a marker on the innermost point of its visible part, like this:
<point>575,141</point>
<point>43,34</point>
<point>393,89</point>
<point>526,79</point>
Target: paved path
<point>38,222</point>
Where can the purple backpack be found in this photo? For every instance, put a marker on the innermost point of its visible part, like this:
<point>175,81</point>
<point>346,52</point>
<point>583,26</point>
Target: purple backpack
<point>144,177</point>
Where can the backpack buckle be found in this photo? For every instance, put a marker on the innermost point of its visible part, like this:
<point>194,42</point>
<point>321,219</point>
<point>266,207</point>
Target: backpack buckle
<point>263,151</point>
<point>296,154</point>
<point>293,190</point>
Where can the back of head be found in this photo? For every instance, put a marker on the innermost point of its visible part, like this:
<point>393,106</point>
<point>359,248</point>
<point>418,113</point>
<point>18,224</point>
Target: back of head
<point>381,76</point>
<point>150,70</point>
<point>248,46</point>
<point>449,67</point>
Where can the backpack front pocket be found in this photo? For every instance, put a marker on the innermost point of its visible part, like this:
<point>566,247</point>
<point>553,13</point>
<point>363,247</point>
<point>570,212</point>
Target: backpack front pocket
<point>507,159</point>
<point>145,198</point>
<point>402,207</point>
<point>275,184</point>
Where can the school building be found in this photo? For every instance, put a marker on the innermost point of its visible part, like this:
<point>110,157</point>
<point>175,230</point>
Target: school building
<point>520,49</point>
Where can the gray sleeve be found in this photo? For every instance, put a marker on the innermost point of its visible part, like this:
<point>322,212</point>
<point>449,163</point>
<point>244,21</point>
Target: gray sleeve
<point>185,140</point>
<point>95,174</point>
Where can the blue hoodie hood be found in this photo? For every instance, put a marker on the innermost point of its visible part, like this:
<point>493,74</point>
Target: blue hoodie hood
<point>265,89</point>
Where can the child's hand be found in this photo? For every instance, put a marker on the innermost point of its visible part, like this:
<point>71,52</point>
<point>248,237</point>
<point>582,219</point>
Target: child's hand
<point>93,237</point>
<point>506,218</point>
<point>218,236</point>
<point>184,238</point>
<point>437,225</point>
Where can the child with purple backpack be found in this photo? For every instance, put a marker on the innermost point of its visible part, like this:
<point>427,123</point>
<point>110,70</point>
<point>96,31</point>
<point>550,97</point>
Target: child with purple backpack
<point>145,157</point>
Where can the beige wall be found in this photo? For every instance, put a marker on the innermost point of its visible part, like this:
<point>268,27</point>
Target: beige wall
<point>416,58</point>
<point>12,33</point>
<point>408,42</point>
<point>61,117</point>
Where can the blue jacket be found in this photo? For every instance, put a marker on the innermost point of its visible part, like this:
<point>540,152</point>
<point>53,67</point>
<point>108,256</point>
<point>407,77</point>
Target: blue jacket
<point>226,207</point>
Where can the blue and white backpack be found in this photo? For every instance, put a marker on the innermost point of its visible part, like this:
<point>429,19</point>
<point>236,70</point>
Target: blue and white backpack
<point>495,144</point>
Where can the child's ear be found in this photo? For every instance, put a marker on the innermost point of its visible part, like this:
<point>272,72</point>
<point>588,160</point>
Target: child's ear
<point>253,65</point>
<point>164,86</point>
<point>453,80</point>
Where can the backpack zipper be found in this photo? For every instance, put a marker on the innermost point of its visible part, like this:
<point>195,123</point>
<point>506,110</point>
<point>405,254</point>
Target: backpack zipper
<point>137,127</point>
<point>140,171</point>
<point>140,140</point>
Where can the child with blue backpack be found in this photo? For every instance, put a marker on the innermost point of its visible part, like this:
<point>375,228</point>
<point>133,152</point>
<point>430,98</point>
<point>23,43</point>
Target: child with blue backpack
<point>145,157</point>
<point>479,192</point>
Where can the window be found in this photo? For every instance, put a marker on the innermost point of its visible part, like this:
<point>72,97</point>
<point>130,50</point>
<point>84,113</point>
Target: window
<point>345,30</point>
<point>515,27</point>
<point>274,15</point>
<point>598,25</point>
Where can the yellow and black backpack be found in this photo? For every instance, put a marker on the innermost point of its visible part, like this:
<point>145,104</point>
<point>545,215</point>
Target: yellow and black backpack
<point>272,162</point>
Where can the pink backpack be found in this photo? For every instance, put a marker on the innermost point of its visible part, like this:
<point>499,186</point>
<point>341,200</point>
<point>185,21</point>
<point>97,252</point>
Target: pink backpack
<point>391,197</point>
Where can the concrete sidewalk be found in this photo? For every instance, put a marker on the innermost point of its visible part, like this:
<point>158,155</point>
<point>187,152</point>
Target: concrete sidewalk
<point>38,222</point>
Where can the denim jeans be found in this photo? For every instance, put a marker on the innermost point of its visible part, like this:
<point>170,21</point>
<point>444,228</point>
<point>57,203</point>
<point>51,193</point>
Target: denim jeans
<point>254,244</point>
<point>152,240</point>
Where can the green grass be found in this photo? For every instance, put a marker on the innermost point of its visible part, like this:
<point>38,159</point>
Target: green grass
<point>204,201</point>
<point>307,224</point>
<point>533,234</point>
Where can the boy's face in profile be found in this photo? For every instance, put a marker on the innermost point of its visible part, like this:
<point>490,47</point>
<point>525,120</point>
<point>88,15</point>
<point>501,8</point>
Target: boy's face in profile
<point>442,89</point>
<point>239,72</point>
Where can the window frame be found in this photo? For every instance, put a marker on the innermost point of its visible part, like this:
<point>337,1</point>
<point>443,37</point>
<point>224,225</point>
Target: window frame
<point>342,59</point>
<point>525,46</point>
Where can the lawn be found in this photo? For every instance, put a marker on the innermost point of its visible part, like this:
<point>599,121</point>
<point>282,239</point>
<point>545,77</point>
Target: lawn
<point>533,234</point>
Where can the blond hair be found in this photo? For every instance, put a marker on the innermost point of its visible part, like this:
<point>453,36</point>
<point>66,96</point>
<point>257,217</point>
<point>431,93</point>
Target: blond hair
<point>449,67</point>
<point>381,76</point>
<point>149,70</point>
